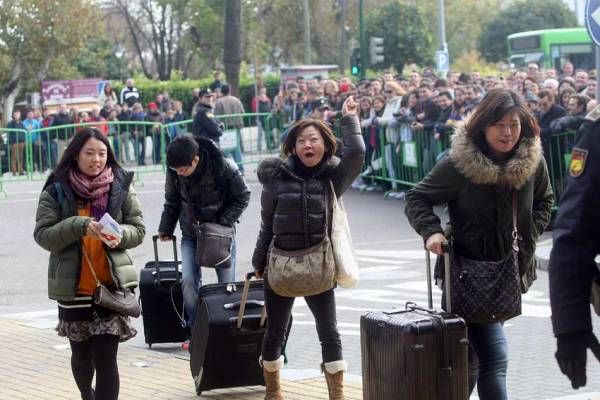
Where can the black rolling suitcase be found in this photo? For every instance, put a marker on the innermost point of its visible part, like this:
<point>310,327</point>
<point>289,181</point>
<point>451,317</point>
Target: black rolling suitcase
<point>415,354</point>
<point>161,299</point>
<point>227,335</point>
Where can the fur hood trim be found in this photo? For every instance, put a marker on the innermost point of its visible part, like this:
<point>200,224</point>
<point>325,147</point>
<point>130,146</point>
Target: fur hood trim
<point>480,169</point>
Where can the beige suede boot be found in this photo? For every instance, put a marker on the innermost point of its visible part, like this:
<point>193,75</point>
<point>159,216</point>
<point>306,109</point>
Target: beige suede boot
<point>271,375</point>
<point>334,376</point>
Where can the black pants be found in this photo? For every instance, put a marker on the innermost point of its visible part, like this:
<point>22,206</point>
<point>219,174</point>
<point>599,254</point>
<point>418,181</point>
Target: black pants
<point>279,309</point>
<point>99,354</point>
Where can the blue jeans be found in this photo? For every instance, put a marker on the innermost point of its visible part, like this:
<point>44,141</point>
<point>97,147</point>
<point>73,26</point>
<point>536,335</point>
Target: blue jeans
<point>191,275</point>
<point>488,360</point>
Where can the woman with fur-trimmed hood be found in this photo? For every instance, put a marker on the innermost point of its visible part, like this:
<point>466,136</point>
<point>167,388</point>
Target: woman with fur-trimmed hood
<point>495,152</point>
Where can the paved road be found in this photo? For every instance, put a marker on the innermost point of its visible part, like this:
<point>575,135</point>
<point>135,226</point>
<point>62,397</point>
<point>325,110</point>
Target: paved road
<point>392,272</point>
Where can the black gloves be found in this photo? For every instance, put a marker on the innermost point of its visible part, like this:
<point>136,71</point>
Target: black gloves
<point>571,355</point>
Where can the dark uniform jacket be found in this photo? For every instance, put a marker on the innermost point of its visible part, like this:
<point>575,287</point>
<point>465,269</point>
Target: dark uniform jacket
<point>216,191</point>
<point>478,192</point>
<point>293,204</point>
<point>205,124</point>
<point>577,236</point>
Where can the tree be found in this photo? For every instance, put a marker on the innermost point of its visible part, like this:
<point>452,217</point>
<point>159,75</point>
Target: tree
<point>404,29</point>
<point>232,55</point>
<point>167,35</point>
<point>522,15</point>
<point>34,34</point>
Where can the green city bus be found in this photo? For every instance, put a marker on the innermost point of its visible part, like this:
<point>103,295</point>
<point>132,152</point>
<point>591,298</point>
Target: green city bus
<point>552,48</point>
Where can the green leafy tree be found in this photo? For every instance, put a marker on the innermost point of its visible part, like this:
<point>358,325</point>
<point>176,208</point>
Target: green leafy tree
<point>34,33</point>
<point>522,15</point>
<point>404,29</point>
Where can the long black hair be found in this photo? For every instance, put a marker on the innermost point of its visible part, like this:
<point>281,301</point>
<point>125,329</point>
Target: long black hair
<point>68,159</point>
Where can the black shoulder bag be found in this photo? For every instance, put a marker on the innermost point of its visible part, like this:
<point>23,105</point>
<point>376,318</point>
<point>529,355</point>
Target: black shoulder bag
<point>213,242</point>
<point>487,291</point>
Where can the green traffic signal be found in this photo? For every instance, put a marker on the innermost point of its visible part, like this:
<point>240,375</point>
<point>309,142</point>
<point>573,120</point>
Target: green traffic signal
<point>355,62</point>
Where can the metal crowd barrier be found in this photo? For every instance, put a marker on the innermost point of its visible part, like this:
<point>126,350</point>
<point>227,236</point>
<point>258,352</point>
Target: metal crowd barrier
<point>138,145</point>
<point>398,158</point>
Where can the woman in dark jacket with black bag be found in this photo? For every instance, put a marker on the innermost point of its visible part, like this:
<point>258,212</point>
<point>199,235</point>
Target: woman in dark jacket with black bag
<point>495,163</point>
<point>295,193</point>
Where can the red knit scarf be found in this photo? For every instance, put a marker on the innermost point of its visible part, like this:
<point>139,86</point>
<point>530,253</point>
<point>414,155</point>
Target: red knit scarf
<point>93,189</point>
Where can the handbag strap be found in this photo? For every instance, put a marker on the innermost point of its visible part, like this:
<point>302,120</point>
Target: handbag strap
<point>515,231</point>
<point>89,262</point>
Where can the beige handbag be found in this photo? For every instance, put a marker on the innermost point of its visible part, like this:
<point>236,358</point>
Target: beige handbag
<point>304,272</point>
<point>346,264</point>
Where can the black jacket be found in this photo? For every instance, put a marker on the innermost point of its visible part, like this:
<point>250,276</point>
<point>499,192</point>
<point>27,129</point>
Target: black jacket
<point>205,124</point>
<point>555,112</point>
<point>216,190</point>
<point>293,205</point>
<point>62,133</point>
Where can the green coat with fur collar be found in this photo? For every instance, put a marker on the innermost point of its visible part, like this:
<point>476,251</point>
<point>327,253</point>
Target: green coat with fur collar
<point>59,230</point>
<point>478,192</point>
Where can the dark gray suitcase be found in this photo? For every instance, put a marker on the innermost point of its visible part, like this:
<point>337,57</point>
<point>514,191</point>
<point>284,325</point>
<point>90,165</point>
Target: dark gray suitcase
<point>414,354</point>
<point>162,300</point>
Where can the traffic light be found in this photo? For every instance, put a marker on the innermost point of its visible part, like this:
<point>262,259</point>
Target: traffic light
<point>376,50</point>
<point>355,62</point>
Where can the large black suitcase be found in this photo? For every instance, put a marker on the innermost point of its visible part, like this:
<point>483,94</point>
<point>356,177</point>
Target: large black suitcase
<point>227,335</point>
<point>161,299</point>
<point>415,354</point>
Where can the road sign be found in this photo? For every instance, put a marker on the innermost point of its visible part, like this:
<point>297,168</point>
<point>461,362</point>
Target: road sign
<point>442,60</point>
<point>592,19</point>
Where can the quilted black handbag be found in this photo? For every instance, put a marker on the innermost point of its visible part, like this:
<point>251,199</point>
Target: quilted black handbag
<point>487,291</point>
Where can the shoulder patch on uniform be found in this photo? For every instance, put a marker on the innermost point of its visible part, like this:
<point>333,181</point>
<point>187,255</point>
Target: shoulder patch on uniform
<point>578,158</point>
<point>594,114</point>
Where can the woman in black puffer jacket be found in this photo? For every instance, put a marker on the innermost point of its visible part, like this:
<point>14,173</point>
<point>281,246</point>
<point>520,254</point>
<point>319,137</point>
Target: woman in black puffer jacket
<point>293,217</point>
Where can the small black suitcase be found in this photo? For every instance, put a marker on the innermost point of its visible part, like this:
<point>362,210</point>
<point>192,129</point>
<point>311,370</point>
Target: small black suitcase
<point>161,299</point>
<point>414,354</point>
<point>227,335</point>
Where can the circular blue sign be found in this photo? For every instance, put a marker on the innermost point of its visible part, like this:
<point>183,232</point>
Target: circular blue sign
<point>592,19</point>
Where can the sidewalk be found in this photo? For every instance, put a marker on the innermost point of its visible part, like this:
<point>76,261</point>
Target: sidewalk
<point>35,365</point>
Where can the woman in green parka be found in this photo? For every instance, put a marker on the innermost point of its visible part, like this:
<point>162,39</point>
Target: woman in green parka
<point>87,183</point>
<point>496,152</point>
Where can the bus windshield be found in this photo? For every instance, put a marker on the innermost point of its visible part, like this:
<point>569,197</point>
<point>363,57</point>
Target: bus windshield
<point>552,48</point>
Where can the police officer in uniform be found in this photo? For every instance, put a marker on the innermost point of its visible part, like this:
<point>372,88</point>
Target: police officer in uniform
<point>205,124</point>
<point>576,244</point>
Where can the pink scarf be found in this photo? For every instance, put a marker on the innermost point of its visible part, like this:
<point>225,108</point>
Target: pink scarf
<point>93,189</point>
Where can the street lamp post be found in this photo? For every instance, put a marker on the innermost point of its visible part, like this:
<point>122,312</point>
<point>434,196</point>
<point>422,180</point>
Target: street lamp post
<point>119,53</point>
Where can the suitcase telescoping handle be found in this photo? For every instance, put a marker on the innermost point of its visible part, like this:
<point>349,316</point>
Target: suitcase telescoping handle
<point>173,239</point>
<point>446,250</point>
<point>244,300</point>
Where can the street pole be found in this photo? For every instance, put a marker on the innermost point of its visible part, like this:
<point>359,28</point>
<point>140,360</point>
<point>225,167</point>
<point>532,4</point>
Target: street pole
<point>306,11</point>
<point>343,39</point>
<point>363,40</point>
<point>442,27</point>
<point>597,71</point>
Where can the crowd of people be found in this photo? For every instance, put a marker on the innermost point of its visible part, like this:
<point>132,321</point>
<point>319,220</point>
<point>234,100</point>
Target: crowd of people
<point>398,108</point>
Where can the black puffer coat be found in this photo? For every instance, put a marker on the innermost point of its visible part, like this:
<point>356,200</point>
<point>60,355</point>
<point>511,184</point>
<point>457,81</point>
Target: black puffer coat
<point>217,191</point>
<point>292,206</point>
